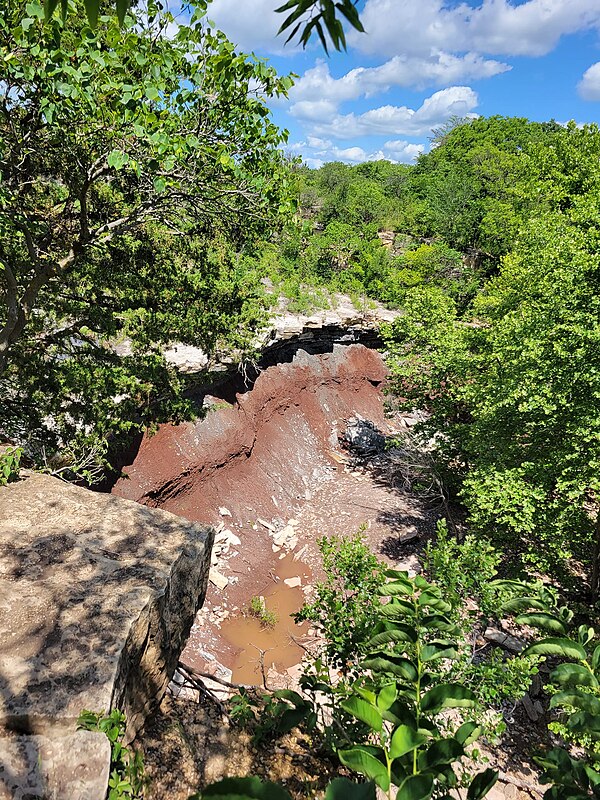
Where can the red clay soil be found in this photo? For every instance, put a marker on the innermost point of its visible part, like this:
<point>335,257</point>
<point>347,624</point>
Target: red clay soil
<point>256,457</point>
<point>271,457</point>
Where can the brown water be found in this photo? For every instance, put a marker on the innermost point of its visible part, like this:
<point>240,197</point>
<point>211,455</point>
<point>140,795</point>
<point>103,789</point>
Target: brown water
<point>249,637</point>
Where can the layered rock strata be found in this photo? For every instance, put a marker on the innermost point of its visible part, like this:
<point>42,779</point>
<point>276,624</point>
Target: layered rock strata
<point>257,457</point>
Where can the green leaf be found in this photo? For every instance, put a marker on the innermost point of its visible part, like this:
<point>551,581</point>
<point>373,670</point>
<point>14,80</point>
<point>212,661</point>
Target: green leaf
<point>481,784</point>
<point>291,718</point>
<point>361,760</point>
<point>392,665</point>
<point>541,619</point>
<point>49,8</point>
<point>345,789</point>
<point>416,787</point>
<point>573,675</point>
<point>586,702</point>
<point>364,711</point>
<point>566,648</point>
<point>518,604</point>
<point>439,649</point>
<point>404,740</point>
<point>447,695</point>
<point>400,633</point>
<point>398,609</point>
<point>468,733</point>
<point>431,599</point>
<point>400,714</point>
<point>91,10</point>
<point>252,788</point>
<point>293,697</point>
<point>444,751</point>
<point>117,159</point>
<point>596,658</point>
<point>122,8</point>
<point>34,10</point>
<point>397,587</point>
<point>152,93</point>
<point>438,622</point>
<point>386,696</point>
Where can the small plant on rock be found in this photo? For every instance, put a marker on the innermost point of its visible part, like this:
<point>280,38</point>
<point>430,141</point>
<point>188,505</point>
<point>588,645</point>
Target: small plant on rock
<point>10,461</point>
<point>127,780</point>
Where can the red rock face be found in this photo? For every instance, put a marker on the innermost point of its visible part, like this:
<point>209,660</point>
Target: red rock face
<point>260,457</point>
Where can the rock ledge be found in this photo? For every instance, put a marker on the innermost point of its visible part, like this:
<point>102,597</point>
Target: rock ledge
<point>97,597</point>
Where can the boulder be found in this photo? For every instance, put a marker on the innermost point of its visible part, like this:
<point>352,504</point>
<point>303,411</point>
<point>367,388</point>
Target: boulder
<point>97,598</point>
<point>363,437</point>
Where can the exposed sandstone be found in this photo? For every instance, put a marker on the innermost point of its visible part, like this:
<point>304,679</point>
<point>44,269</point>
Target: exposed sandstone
<point>97,597</point>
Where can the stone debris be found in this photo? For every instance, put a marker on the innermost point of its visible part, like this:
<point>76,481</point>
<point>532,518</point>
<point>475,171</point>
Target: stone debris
<point>220,581</point>
<point>530,708</point>
<point>224,512</point>
<point>363,437</point>
<point>229,537</point>
<point>505,640</point>
<point>410,564</point>
<point>293,582</point>
<point>265,524</point>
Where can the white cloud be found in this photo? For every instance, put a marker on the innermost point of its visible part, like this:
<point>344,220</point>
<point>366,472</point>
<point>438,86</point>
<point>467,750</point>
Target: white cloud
<point>392,120</point>
<point>420,27</point>
<point>440,69</point>
<point>405,152</point>
<point>315,152</point>
<point>589,86</point>
<point>251,25</point>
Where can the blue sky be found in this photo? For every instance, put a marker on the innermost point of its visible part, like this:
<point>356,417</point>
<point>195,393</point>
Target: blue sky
<point>422,61</point>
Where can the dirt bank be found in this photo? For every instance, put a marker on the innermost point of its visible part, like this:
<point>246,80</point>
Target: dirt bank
<point>256,457</point>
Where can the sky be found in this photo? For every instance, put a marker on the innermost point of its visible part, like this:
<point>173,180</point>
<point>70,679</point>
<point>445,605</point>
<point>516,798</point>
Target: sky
<point>422,62</point>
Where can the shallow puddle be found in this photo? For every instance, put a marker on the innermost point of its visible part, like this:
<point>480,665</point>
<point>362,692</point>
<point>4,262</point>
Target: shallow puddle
<point>250,637</point>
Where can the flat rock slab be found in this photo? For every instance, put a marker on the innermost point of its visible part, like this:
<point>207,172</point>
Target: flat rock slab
<point>70,767</point>
<point>97,597</point>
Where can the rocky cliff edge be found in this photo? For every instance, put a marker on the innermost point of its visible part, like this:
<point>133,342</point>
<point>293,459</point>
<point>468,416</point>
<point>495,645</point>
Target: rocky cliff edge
<point>97,597</point>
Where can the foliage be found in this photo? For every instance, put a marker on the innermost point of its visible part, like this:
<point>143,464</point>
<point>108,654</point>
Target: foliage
<point>575,694</point>
<point>10,460</point>
<point>272,715</point>
<point>399,696</point>
<point>345,603</point>
<point>254,788</point>
<point>136,168</point>
<point>320,13</point>
<point>127,766</point>
<point>323,17</point>
<point>259,610</point>
<point>511,383</point>
<point>465,570</point>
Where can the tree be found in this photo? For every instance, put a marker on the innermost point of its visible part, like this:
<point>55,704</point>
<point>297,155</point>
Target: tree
<point>305,18</point>
<point>513,386</point>
<point>127,158</point>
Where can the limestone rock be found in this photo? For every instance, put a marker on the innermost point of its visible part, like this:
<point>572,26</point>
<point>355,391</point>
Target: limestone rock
<point>505,640</point>
<point>220,581</point>
<point>71,766</point>
<point>97,598</point>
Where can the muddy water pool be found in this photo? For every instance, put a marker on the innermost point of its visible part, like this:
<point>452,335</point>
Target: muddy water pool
<point>250,637</point>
